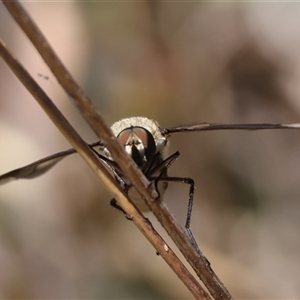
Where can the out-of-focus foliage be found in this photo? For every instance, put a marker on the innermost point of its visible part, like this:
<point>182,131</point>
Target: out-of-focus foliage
<point>178,63</point>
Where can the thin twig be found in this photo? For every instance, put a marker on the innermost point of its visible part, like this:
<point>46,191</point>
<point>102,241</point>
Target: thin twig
<point>198,262</point>
<point>88,155</point>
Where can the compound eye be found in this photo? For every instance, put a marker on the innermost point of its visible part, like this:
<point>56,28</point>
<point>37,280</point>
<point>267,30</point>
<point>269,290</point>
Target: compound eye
<point>124,136</point>
<point>140,138</point>
<point>141,134</point>
<point>134,135</point>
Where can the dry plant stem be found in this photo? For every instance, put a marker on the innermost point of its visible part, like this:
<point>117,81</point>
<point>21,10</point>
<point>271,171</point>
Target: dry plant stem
<point>88,155</point>
<point>198,262</point>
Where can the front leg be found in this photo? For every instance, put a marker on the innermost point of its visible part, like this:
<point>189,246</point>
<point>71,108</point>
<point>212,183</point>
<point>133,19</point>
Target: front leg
<point>191,183</point>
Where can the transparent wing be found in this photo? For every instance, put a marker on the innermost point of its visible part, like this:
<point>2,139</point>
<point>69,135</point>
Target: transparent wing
<point>39,167</point>
<point>216,126</point>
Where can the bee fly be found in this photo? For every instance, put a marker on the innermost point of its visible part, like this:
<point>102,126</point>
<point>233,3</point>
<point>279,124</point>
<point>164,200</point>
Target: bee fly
<point>146,142</point>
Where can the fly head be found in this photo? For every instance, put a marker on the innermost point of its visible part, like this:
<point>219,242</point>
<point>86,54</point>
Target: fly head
<point>139,143</point>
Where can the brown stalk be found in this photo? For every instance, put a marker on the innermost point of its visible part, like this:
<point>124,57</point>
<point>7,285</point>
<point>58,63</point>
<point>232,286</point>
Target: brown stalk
<point>88,155</point>
<point>196,259</point>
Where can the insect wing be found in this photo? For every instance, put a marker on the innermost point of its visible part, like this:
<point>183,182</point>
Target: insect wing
<point>36,168</point>
<point>39,167</point>
<point>216,126</point>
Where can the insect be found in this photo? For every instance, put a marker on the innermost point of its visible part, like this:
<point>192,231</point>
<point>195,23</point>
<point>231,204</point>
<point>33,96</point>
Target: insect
<point>146,142</point>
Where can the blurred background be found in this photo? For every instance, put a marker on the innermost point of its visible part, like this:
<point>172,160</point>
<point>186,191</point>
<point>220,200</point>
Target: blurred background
<point>177,63</point>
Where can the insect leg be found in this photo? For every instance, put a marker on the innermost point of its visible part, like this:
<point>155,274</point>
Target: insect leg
<point>110,166</point>
<point>163,165</point>
<point>114,203</point>
<point>162,168</point>
<point>191,183</point>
